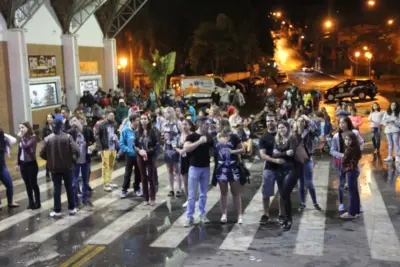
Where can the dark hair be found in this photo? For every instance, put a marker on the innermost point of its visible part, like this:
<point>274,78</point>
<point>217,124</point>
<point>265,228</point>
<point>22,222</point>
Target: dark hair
<point>396,111</point>
<point>354,109</point>
<point>2,141</point>
<point>133,117</point>
<point>372,107</point>
<point>149,127</point>
<point>57,110</point>
<point>270,114</point>
<point>192,127</point>
<point>348,122</point>
<point>30,132</point>
<point>319,114</point>
<point>354,139</point>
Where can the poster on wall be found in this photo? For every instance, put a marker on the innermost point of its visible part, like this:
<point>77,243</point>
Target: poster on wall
<point>89,85</point>
<point>88,67</point>
<point>42,66</point>
<point>43,95</point>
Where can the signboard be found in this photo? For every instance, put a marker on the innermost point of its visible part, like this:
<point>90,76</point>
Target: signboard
<point>43,95</point>
<point>42,66</point>
<point>88,67</point>
<point>89,85</point>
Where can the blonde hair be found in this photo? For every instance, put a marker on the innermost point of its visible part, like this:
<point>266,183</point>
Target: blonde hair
<point>279,138</point>
<point>170,110</point>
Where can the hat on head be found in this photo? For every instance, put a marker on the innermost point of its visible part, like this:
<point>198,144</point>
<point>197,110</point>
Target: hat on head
<point>121,100</point>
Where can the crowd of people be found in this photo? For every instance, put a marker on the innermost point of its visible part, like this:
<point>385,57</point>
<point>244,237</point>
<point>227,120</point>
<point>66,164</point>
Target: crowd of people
<point>193,141</point>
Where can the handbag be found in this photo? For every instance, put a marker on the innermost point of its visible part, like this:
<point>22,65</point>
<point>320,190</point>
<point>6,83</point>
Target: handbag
<point>244,173</point>
<point>301,154</point>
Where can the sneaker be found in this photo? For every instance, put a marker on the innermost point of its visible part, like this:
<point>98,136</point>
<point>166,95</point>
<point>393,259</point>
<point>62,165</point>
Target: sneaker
<point>204,219</point>
<point>224,219</point>
<point>72,212</point>
<point>287,225</point>
<point>317,207</point>
<point>113,186</point>
<point>185,204</point>
<point>178,194</point>
<point>54,214</point>
<point>341,207</point>
<point>264,219</point>
<point>107,188</point>
<point>281,219</point>
<point>123,195</point>
<point>240,220</point>
<point>188,223</point>
<point>152,202</point>
<point>171,193</point>
<point>388,159</point>
<point>347,216</point>
<point>302,206</point>
<point>13,205</point>
<point>361,210</point>
<point>139,193</point>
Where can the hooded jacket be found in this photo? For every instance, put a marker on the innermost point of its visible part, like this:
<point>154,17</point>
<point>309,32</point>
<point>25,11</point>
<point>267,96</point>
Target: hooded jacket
<point>127,141</point>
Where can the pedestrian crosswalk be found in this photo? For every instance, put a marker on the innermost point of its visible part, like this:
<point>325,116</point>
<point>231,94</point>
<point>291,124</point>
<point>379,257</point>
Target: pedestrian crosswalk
<point>309,238</point>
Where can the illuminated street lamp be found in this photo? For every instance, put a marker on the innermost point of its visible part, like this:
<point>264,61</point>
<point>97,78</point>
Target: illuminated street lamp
<point>154,64</point>
<point>283,22</point>
<point>328,24</point>
<point>390,22</point>
<point>365,48</point>
<point>368,55</point>
<point>278,14</point>
<point>123,62</point>
<point>357,55</point>
<point>371,3</point>
<point>302,37</point>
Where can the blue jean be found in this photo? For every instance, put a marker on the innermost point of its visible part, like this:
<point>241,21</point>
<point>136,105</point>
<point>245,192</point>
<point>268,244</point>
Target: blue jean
<point>6,179</point>
<point>342,182</point>
<point>354,195</point>
<point>84,170</point>
<point>376,137</point>
<point>197,176</point>
<point>57,180</point>
<point>305,173</point>
<point>393,142</point>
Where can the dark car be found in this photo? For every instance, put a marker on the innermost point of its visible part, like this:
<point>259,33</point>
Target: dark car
<point>238,85</point>
<point>352,88</point>
<point>307,68</point>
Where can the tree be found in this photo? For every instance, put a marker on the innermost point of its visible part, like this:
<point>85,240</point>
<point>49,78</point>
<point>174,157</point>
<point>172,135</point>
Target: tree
<point>159,68</point>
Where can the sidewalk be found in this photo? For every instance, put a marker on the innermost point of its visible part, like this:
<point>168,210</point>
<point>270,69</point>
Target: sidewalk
<point>12,160</point>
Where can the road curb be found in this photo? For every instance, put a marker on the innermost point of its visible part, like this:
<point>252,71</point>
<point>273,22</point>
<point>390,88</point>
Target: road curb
<point>329,75</point>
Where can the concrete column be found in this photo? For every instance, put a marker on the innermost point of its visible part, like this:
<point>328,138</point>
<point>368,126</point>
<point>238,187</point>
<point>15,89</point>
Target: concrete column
<point>19,77</point>
<point>110,62</point>
<point>71,70</point>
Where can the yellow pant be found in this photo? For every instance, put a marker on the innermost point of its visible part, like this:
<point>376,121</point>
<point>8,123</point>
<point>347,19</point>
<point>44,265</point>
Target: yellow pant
<point>108,161</point>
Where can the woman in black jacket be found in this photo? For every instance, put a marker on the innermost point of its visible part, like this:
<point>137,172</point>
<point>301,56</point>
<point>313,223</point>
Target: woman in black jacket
<point>46,131</point>
<point>284,149</point>
<point>146,143</point>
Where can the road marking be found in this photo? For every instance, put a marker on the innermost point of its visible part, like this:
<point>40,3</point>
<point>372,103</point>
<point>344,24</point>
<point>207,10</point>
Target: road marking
<point>382,238</point>
<point>77,256</point>
<point>68,221</point>
<point>241,236</point>
<point>89,256</point>
<point>41,174</point>
<point>311,233</point>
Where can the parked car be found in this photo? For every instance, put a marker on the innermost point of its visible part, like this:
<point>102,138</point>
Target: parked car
<point>307,68</point>
<point>253,82</point>
<point>352,88</point>
<point>238,85</point>
<point>281,78</point>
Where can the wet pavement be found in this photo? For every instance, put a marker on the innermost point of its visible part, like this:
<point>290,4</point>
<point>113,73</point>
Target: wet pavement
<point>127,233</point>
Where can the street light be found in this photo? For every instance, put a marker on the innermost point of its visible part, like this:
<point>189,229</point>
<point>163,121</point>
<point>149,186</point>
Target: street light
<point>365,48</point>
<point>328,23</point>
<point>154,64</point>
<point>390,22</point>
<point>371,3</point>
<point>302,37</point>
<point>357,55</point>
<point>123,63</point>
<point>278,14</point>
<point>283,22</point>
<point>368,55</point>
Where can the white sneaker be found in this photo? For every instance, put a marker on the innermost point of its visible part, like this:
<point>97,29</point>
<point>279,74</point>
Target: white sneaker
<point>107,188</point>
<point>113,186</point>
<point>240,220</point>
<point>224,219</point>
<point>72,212</point>
<point>54,214</point>
<point>185,204</point>
<point>139,193</point>
<point>388,159</point>
<point>188,223</point>
<point>204,219</point>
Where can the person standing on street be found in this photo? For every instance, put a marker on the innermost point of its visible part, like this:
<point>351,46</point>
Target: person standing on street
<point>375,119</point>
<point>60,150</point>
<point>84,138</point>
<point>216,97</point>
<point>27,164</point>
<point>122,111</point>
<point>391,121</point>
<point>106,143</point>
<point>126,143</point>
<point>46,131</point>
<point>198,144</point>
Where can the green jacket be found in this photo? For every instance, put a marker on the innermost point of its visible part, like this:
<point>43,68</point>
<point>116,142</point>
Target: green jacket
<point>121,113</point>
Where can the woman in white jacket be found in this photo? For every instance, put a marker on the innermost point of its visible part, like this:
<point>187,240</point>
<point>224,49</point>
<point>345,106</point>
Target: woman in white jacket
<point>391,121</point>
<point>5,142</point>
<point>337,151</point>
<point>375,120</point>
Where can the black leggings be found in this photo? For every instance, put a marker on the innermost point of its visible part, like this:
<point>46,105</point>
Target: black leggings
<point>287,180</point>
<point>29,172</point>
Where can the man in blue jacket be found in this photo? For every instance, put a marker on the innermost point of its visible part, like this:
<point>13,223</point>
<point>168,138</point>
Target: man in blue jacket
<point>126,142</point>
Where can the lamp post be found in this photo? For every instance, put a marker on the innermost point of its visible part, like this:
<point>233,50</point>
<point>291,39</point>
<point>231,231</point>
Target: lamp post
<point>357,55</point>
<point>368,55</point>
<point>123,63</point>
